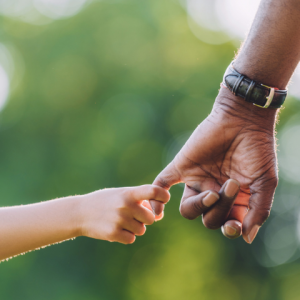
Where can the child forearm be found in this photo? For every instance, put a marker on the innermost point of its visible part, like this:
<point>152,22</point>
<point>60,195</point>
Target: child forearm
<point>115,215</point>
<point>27,227</point>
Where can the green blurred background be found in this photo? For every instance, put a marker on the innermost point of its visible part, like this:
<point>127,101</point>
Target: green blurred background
<point>106,98</point>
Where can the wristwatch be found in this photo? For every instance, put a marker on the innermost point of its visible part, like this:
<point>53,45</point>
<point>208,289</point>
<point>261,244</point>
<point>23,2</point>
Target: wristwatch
<point>255,92</point>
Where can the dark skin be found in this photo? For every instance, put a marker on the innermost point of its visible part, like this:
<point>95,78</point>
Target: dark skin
<point>237,140</point>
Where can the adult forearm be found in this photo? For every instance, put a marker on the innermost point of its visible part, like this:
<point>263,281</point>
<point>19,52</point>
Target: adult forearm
<point>24,228</point>
<point>271,51</point>
<point>269,55</point>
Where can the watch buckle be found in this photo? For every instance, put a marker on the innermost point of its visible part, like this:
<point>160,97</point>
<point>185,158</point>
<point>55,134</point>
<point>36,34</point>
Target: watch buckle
<point>269,98</point>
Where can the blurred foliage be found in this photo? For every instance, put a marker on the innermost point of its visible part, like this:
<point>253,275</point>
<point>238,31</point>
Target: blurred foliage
<point>106,100</point>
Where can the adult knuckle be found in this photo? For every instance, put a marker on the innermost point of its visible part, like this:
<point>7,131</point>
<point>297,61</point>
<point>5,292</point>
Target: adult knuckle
<point>262,211</point>
<point>208,223</point>
<point>197,207</point>
<point>274,181</point>
<point>185,214</point>
<point>225,205</point>
<point>270,179</point>
<point>162,182</point>
<point>264,214</point>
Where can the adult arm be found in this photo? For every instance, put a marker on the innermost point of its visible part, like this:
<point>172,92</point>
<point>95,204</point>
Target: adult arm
<point>237,140</point>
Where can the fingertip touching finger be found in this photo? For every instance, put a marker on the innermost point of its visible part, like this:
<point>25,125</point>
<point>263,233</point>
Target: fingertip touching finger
<point>149,192</point>
<point>168,177</point>
<point>144,214</point>
<point>148,206</point>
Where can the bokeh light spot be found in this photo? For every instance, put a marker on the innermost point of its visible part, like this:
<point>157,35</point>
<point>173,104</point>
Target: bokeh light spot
<point>288,156</point>
<point>4,87</point>
<point>57,9</point>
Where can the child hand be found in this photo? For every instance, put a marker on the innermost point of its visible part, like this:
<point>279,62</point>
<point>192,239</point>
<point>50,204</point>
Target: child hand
<point>146,204</point>
<point>118,214</point>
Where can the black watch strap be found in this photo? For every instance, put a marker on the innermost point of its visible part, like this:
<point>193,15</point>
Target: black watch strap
<point>254,92</point>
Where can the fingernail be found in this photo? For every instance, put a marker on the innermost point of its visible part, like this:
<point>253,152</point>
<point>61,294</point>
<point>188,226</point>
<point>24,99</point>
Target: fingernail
<point>252,234</point>
<point>162,215</point>
<point>231,188</point>
<point>153,210</point>
<point>229,230</point>
<point>210,199</point>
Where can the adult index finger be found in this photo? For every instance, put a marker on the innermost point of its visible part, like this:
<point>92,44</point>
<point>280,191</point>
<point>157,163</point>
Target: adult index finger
<point>194,204</point>
<point>167,177</point>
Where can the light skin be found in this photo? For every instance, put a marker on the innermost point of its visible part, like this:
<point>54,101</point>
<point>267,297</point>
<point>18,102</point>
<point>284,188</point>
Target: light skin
<point>237,140</point>
<point>115,215</point>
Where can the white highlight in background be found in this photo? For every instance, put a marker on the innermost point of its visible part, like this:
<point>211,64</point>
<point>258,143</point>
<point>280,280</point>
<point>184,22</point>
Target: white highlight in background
<point>288,155</point>
<point>4,87</point>
<point>40,12</point>
<point>57,9</point>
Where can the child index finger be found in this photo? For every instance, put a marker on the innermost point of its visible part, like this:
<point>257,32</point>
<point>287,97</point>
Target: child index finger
<point>146,204</point>
<point>150,192</point>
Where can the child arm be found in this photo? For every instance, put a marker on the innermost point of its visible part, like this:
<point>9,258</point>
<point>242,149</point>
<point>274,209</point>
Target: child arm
<point>110,214</point>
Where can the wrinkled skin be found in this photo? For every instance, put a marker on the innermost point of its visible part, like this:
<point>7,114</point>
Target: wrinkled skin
<point>235,141</point>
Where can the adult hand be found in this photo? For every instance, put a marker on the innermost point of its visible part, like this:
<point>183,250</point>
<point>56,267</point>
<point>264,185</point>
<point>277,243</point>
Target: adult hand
<point>235,141</point>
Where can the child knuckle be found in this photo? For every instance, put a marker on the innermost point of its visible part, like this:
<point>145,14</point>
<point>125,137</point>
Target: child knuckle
<point>115,229</point>
<point>120,220</point>
<point>153,192</point>
<point>140,230</point>
<point>126,240</point>
<point>151,219</point>
<point>112,236</point>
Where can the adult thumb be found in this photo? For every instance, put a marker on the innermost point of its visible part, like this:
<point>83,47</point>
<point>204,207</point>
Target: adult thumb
<point>165,179</point>
<point>260,204</point>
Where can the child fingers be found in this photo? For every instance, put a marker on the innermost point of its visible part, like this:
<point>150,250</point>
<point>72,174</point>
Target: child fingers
<point>144,215</point>
<point>147,205</point>
<point>125,237</point>
<point>150,192</point>
<point>159,217</point>
<point>135,227</point>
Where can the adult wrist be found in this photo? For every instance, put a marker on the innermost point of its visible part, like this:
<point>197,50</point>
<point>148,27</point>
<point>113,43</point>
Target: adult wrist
<point>236,107</point>
<point>252,91</point>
